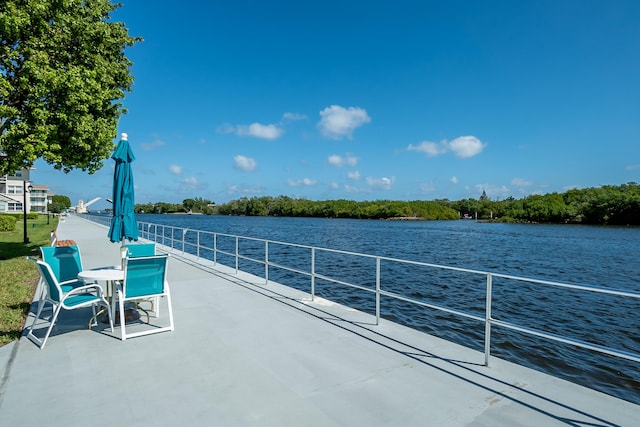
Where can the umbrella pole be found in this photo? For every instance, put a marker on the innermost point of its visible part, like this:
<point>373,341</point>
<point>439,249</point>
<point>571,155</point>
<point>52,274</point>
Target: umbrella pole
<point>123,253</point>
<point>131,312</point>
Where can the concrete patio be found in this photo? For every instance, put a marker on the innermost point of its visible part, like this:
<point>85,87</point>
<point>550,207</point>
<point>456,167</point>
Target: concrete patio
<point>248,354</point>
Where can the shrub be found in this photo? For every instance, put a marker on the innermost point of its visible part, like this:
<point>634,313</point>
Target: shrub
<point>7,222</point>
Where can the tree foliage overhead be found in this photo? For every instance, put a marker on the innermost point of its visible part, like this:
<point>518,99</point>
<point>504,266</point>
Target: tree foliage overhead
<point>62,74</point>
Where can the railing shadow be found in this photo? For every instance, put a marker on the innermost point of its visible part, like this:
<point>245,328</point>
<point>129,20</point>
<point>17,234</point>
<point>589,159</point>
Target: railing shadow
<point>467,371</point>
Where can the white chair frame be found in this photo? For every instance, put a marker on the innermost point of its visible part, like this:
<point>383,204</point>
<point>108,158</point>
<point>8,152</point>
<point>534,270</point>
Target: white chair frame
<point>64,300</point>
<point>121,292</point>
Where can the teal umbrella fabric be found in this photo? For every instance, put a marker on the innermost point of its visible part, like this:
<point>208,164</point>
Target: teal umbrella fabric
<point>124,224</point>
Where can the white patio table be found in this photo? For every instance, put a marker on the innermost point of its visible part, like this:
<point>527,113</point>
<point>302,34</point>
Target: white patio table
<point>108,275</point>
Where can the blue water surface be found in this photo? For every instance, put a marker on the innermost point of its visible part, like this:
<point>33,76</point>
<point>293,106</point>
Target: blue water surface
<point>591,255</point>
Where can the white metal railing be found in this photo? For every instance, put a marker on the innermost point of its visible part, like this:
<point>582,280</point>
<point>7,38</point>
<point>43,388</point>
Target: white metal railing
<point>191,241</point>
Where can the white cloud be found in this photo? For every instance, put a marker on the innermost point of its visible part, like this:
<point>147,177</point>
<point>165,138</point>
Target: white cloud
<point>454,179</point>
<point>305,182</point>
<point>152,145</point>
<point>427,187</point>
<point>175,169</point>
<point>246,164</point>
<point>335,160</point>
<point>188,185</point>
<point>633,167</point>
<point>355,175</point>
<point>351,189</point>
<point>258,130</point>
<point>336,122</point>
<point>463,147</point>
<point>519,182</point>
<point>193,181</point>
<point>225,128</point>
<point>235,189</point>
<point>431,149</point>
<point>339,161</point>
<point>381,183</point>
<point>466,146</point>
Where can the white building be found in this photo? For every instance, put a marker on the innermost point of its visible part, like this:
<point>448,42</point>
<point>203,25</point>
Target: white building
<point>12,198</point>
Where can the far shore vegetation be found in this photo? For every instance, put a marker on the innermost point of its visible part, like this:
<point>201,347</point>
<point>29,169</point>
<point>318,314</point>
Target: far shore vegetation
<point>606,205</point>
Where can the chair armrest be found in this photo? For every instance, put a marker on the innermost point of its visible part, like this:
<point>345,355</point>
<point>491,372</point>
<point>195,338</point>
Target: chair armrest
<point>86,288</point>
<point>72,282</point>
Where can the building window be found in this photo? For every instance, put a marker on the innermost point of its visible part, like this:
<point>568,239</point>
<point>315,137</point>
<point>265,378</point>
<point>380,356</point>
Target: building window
<point>14,189</point>
<point>14,207</point>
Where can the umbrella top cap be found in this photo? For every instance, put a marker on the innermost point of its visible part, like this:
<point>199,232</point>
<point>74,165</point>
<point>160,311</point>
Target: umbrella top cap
<point>124,136</point>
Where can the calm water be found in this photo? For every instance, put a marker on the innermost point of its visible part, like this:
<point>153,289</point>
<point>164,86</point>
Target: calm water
<point>601,256</point>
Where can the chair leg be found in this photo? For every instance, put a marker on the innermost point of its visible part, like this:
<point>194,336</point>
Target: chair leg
<point>94,319</point>
<point>56,311</point>
<point>30,334</point>
<point>170,309</point>
<point>108,309</point>
<point>123,332</point>
<point>156,306</point>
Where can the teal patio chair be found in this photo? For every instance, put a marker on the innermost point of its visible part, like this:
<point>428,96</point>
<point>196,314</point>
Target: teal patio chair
<point>65,263</point>
<point>144,278</point>
<point>135,250</point>
<point>140,249</point>
<point>76,298</point>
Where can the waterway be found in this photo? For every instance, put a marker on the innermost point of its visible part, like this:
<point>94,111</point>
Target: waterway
<point>598,256</point>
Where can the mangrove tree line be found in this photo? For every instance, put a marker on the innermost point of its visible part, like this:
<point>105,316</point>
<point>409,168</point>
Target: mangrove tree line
<point>609,204</point>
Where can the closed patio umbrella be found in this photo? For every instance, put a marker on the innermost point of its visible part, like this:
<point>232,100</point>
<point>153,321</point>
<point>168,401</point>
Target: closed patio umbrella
<point>124,224</point>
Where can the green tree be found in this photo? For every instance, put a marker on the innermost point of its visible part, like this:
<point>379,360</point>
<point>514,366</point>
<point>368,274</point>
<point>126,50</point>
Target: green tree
<point>188,204</point>
<point>62,74</point>
<point>59,204</point>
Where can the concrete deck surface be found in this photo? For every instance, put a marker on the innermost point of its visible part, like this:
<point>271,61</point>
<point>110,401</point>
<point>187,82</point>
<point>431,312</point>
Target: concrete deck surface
<point>249,354</point>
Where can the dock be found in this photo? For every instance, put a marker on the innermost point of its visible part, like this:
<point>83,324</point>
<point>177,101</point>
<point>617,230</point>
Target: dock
<point>246,353</point>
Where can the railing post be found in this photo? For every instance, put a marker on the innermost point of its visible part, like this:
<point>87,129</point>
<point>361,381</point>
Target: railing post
<point>487,322</point>
<point>377,290</point>
<point>198,243</point>
<point>215,248</point>
<point>313,273</point>
<point>266,262</point>
<point>184,233</point>
<point>236,254</point>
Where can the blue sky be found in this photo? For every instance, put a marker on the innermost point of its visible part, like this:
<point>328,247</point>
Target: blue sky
<point>370,100</point>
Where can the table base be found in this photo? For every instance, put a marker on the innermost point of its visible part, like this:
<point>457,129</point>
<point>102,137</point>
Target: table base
<point>130,315</point>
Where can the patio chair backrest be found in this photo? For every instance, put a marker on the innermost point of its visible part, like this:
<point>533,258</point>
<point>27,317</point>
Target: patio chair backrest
<point>65,261</point>
<point>141,249</point>
<point>145,276</point>
<point>50,281</point>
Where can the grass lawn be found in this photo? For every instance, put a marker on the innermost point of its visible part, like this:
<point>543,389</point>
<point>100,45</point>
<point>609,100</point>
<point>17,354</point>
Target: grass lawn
<point>19,277</point>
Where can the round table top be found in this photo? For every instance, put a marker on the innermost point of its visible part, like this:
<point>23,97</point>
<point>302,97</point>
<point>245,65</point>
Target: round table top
<point>108,273</point>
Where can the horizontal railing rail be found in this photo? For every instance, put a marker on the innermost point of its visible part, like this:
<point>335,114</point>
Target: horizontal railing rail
<point>191,241</point>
